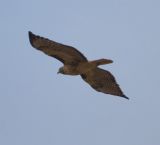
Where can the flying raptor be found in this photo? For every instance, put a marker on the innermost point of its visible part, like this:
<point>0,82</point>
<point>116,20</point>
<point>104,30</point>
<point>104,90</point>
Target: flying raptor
<point>75,63</point>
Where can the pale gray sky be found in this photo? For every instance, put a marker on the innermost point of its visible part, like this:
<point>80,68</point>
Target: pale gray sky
<point>39,107</point>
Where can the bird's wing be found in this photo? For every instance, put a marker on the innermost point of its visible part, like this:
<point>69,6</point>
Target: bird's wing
<point>103,81</point>
<point>66,54</point>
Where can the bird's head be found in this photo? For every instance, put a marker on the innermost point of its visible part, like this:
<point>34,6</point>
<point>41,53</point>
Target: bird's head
<point>61,70</point>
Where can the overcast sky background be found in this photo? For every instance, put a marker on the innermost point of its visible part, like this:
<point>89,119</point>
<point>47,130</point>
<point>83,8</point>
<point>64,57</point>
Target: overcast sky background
<point>39,107</point>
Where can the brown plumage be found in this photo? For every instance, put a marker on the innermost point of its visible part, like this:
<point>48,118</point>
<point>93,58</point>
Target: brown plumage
<point>75,63</point>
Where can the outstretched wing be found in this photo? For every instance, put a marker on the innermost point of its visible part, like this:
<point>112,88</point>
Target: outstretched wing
<point>103,81</point>
<point>66,54</point>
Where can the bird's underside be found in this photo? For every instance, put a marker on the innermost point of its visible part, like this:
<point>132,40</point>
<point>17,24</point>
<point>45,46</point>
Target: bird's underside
<point>75,63</point>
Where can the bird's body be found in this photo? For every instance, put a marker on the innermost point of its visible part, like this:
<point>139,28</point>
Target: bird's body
<point>81,68</point>
<point>75,63</point>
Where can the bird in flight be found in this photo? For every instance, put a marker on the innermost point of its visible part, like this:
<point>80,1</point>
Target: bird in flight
<point>75,63</point>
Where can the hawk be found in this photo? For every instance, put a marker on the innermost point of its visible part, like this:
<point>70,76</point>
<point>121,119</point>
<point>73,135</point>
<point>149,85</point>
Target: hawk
<point>75,63</point>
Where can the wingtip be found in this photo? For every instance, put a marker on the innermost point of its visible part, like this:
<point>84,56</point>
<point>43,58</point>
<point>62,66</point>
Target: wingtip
<point>124,96</point>
<point>30,34</point>
<point>31,37</point>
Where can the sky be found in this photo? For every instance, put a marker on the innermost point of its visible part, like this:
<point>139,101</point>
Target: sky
<point>39,107</point>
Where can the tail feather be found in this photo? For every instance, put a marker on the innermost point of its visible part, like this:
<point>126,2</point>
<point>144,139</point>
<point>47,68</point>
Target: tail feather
<point>101,61</point>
